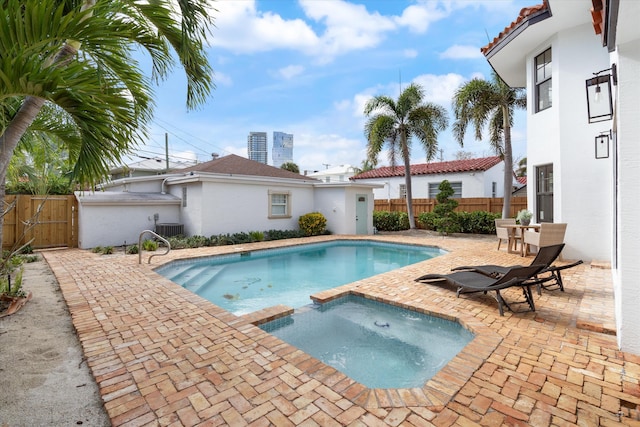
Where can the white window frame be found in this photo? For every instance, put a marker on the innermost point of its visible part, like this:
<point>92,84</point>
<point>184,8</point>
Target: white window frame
<point>286,213</point>
<point>542,72</point>
<point>456,185</point>
<point>402,191</point>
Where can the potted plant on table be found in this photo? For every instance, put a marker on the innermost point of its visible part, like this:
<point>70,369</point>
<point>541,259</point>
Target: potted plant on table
<point>524,217</point>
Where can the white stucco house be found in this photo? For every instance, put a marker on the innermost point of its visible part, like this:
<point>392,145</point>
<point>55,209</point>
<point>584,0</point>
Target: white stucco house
<point>340,173</point>
<point>230,194</point>
<point>481,177</point>
<point>583,171</point>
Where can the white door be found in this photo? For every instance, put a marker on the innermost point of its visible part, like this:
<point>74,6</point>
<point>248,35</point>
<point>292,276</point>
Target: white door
<point>362,214</point>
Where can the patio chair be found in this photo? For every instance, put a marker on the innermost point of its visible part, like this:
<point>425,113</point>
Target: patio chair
<point>545,256</point>
<point>471,281</point>
<point>549,234</point>
<point>505,234</point>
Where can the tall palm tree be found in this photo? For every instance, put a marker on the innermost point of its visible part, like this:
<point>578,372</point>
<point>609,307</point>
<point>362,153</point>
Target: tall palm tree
<point>396,123</point>
<point>75,59</point>
<point>481,103</point>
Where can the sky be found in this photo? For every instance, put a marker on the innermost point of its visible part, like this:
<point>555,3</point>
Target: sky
<point>307,68</point>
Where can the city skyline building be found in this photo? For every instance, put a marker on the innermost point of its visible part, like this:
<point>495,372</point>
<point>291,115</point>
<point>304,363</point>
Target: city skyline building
<point>257,147</point>
<point>282,149</point>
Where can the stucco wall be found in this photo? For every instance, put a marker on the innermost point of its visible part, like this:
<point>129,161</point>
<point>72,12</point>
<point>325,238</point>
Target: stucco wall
<point>115,224</point>
<point>561,136</point>
<point>628,201</point>
<point>228,207</point>
<point>338,205</point>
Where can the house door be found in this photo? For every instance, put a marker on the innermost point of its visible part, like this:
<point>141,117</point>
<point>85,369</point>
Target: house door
<point>361,214</point>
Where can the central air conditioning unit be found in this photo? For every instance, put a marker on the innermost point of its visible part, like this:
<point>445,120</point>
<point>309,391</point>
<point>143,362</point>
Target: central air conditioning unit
<point>170,230</point>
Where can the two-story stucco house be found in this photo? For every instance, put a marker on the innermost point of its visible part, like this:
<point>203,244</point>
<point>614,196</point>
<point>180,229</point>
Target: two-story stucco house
<point>583,168</point>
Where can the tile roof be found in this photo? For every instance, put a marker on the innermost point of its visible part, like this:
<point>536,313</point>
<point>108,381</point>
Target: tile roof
<point>522,180</point>
<point>525,14</point>
<point>236,165</point>
<point>480,164</point>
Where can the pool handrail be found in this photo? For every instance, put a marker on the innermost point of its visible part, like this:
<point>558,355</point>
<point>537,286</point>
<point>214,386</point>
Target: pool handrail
<point>157,236</point>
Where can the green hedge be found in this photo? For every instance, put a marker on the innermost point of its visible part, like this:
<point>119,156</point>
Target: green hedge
<point>479,222</point>
<point>390,221</point>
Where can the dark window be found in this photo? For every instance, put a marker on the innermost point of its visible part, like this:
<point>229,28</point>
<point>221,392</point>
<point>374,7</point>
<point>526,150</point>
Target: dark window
<point>543,80</point>
<point>544,193</point>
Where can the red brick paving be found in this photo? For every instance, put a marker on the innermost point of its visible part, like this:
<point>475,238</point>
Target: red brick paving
<point>163,356</point>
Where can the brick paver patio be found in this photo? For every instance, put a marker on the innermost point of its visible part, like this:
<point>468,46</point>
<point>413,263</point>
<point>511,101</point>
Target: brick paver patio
<point>163,356</point>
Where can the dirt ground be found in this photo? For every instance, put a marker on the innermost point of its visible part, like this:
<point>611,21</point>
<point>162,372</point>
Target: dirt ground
<point>44,379</point>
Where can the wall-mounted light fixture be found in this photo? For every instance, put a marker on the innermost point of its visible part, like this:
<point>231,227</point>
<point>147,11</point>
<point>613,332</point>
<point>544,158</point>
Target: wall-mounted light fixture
<point>599,96</point>
<point>602,145</point>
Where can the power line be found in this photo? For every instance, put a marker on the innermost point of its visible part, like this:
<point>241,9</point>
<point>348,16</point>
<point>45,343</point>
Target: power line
<point>214,147</point>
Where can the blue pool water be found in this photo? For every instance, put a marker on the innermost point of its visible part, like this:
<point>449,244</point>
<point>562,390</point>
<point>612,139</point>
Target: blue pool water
<point>243,283</point>
<point>375,344</point>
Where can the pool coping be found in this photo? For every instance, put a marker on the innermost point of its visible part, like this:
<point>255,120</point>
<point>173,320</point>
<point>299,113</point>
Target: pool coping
<point>436,392</point>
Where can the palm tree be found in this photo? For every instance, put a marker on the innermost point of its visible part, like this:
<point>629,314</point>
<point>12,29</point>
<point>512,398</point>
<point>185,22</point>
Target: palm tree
<point>395,123</point>
<point>481,103</point>
<point>68,67</point>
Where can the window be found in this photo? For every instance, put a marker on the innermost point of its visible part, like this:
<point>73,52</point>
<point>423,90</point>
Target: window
<point>279,204</point>
<point>543,80</point>
<point>457,188</point>
<point>402,190</point>
<point>184,197</point>
<point>544,193</point>
<point>494,189</point>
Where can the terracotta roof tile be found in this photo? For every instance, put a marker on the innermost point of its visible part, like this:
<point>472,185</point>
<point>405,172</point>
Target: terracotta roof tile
<point>525,14</point>
<point>236,165</point>
<point>480,164</point>
<point>522,180</point>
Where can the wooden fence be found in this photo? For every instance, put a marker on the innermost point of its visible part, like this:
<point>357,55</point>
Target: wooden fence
<point>470,204</point>
<point>51,221</point>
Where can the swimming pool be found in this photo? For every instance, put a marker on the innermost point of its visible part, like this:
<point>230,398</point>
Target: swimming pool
<point>250,281</point>
<point>375,344</point>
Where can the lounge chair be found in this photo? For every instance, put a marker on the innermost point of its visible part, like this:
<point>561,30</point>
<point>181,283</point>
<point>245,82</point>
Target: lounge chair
<point>471,281</point>
<point>546,256</point>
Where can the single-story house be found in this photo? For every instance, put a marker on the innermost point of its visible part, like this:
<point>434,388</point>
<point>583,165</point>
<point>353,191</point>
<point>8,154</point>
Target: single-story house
<point>580,62</point>
<point>230,194</point>
<point>481,177</point>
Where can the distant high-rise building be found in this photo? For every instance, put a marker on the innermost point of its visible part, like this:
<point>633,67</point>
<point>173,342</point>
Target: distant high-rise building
<point>257,146</point>
<point>282,151</point>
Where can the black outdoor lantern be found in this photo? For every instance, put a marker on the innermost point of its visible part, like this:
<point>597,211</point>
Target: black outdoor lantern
<point>599,95</point>
<point>602,145</point>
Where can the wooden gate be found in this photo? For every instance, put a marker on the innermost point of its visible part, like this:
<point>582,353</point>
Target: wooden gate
<point>51,221</point>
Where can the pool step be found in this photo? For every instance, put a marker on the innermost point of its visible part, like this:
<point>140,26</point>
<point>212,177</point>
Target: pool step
<point>201,277</point>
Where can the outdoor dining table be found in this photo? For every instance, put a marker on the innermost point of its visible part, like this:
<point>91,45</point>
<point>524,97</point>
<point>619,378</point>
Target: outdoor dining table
<point>513,232</point>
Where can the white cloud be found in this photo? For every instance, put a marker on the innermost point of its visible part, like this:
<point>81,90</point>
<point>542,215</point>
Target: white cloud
<point>410,53</point>
<point>419,16</point>
<point>241,28</point>
<point>220,78</point>
<point>462,52</point>
<point>440,88</point>
<point>290,71</point>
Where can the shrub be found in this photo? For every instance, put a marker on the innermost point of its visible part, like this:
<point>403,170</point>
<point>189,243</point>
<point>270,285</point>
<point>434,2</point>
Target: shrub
<point>427,220</point>
<point>107,250</point>
<point>97,250</point>
<point>390,221</point>
<point>256,236</point>
<point>133,249</point>
<point>312,224</point>
<point>479,222</point>
<point>196,241</point>
<point>149,245</point>
<point>283,234</point>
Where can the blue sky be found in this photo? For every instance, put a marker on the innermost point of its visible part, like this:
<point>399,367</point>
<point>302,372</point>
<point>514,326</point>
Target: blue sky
<point>307,67</point>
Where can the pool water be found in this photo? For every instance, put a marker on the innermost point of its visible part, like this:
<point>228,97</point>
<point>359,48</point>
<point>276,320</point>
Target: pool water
<point>375,344</point>
<point>244,283</point>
